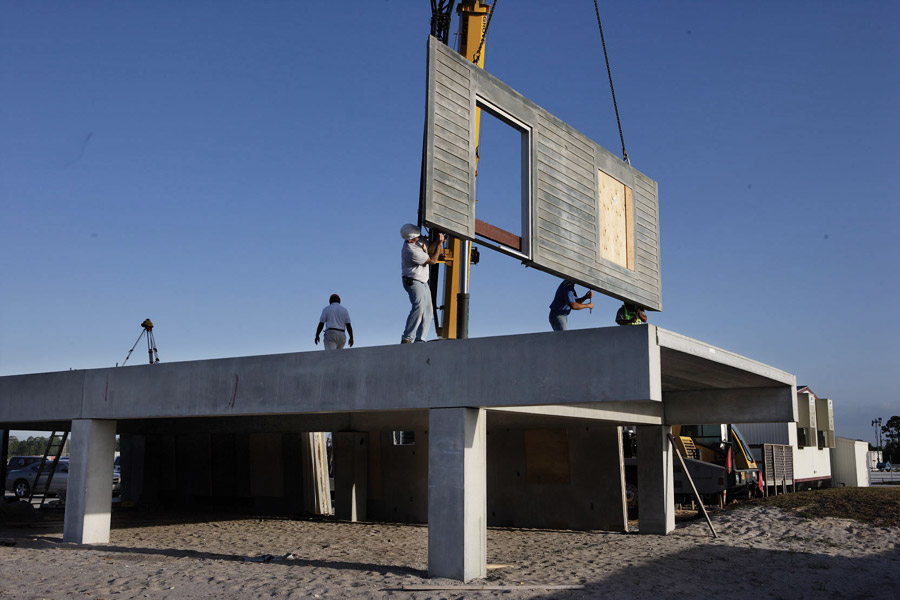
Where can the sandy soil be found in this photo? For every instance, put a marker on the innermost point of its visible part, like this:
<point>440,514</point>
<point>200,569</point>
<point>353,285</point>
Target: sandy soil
<point>761,552</point>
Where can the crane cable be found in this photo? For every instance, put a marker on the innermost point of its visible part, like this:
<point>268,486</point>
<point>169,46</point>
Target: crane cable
<point>611,88</point>
<point>484,33</point>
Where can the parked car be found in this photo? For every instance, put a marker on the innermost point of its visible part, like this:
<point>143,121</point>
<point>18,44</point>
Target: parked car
<point>22,481</point>
<point>17,462</point>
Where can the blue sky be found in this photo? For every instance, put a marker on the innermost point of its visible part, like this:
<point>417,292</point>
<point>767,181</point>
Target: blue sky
<point>223,167</point>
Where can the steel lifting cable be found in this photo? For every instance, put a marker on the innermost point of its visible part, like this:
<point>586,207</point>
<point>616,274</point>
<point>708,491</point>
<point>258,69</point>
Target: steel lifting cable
<point>611,88</point>
<point>484,33</point>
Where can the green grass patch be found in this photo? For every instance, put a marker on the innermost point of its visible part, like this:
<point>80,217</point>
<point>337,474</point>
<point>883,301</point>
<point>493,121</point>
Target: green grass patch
<point>879,507</point>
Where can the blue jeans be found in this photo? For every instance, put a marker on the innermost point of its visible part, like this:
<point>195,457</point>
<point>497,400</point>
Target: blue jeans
<point>421,312</point>
<point>559,322</point>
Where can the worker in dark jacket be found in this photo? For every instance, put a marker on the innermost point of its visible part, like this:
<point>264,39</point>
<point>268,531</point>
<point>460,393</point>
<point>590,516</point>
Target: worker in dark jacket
<point>629,314</point>
<point>565,302</point>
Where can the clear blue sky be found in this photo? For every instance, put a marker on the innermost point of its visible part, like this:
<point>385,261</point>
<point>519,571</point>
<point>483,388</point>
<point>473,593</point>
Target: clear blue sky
<point>222,167</point>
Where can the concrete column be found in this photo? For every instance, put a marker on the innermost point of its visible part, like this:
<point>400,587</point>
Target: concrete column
<point>4,452</point>
<point>351,474</point>
<point>457,493</point>
<point>89,489</point>
<point>656,490</point>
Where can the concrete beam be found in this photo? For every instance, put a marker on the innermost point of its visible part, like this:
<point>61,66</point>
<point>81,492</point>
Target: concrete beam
<point>89,488</point>
<point>351,475</point>
<point>656,490</point>
<point>457,494</point>
<point>628,413</point>
<point>42,396</point>
<point>753,405</point>
<point>580,366</point>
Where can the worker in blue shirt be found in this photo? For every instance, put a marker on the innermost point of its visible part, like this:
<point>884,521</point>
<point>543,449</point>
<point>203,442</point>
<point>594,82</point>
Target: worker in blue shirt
<point>565,302</point>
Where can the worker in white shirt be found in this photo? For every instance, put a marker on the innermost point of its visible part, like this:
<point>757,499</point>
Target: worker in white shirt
<point>335,320</point>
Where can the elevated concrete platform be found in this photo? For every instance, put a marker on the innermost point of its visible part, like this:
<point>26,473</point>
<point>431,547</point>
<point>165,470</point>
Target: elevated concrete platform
<point>621,374</point>
<point>456,391</point>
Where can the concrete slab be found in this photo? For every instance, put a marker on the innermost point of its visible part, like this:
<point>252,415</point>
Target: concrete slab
<point>614,374</point>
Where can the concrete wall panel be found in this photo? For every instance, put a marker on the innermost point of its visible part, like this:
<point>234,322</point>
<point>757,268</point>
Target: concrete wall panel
<point>561,215</point>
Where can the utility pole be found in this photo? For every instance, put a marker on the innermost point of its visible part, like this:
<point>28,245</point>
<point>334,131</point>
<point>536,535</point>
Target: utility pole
<point>876,423</point>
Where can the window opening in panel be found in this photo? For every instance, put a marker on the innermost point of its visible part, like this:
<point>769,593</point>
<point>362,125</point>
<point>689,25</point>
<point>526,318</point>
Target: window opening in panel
<point>501,181</point>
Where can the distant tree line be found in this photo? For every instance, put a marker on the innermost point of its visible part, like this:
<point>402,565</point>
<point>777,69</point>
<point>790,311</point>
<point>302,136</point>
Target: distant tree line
<point>35,446</point>
<point>891,439</point>
<point>32,446</point>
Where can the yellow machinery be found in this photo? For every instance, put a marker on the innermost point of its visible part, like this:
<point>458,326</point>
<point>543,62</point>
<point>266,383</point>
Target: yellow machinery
<point>722,446</point>
<point>456,256</point>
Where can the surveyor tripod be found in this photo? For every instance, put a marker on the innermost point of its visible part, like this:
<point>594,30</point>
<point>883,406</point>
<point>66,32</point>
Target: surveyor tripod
<point>151,343</point>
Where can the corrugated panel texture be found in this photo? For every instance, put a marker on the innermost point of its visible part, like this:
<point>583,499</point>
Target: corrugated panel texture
<point>449,205</point>
<point>764,433</point>
<point>564,233</point>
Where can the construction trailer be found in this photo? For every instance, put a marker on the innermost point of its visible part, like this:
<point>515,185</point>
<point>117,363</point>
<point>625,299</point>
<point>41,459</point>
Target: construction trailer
<point>801,450</point>
<point>848,463</point>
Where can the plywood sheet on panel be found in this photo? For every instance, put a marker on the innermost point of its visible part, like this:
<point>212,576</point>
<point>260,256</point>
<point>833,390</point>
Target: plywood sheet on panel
<point>614,221</point>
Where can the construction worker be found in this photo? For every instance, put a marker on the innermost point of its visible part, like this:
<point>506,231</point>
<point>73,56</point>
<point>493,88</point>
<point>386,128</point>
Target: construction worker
<point>415,257</point>
<point>565,302</point>
<point>335,320</point>
<point>629,314</point>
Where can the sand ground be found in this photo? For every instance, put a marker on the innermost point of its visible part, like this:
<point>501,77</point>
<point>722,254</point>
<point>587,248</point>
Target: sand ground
<point>761,552</point>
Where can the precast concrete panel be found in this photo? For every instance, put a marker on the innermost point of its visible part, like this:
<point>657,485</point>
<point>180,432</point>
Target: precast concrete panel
<point>564,230</point>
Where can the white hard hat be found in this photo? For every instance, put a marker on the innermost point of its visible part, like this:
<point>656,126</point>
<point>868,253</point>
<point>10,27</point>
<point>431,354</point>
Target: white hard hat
<point>410,231</point>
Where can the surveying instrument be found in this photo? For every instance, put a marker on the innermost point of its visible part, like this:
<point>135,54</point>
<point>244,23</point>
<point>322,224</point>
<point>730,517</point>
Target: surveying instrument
<point>151,343</point>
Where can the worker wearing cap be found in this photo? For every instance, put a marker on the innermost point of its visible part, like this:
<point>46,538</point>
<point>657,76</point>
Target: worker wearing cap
<point>335,320</point>
<point>629,314</point>
<point>415,257</point>
<point>564,302</point>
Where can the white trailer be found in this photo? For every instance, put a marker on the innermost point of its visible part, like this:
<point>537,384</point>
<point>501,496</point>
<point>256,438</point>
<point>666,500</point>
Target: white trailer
<point>811,439</point>
<point>848,463</point>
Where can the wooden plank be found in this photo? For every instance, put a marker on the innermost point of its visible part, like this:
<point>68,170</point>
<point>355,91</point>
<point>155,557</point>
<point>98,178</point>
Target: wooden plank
<point>501,236</point>
<point>471,588</point>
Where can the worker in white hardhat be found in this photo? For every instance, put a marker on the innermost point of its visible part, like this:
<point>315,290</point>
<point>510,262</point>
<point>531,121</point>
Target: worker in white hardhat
<point>414,260</point>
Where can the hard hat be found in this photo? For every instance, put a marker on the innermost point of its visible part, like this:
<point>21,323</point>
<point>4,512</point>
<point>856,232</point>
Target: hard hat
<point>410,231</point>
